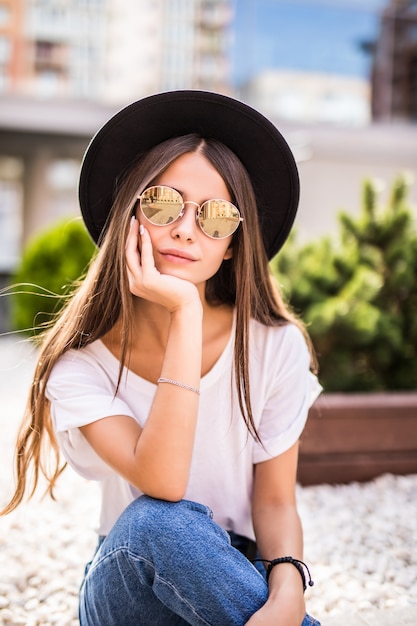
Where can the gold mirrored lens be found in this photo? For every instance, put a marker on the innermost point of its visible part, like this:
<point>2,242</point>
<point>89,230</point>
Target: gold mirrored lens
<point>161,205</point>
<point>218,218</point>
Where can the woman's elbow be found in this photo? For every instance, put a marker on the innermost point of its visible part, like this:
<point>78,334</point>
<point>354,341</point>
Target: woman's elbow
<point>164,493</point>
<point>169,490</point>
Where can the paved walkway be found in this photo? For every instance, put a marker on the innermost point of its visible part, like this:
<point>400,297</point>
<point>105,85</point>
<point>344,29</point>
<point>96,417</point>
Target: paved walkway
<point>394,617</point>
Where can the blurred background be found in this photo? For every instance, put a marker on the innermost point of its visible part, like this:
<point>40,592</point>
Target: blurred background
<point>338,78</point>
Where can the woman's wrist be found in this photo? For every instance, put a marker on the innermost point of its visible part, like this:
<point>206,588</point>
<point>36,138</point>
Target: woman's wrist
<point>291,609</point>
<point>285,575</point>
<point>187,322</point>
<point>192,305</point>
<point>182,360</point>
<point>300,566</point>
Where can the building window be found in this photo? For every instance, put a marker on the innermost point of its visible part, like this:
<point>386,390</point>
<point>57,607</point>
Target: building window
<point>5,14</point>
<point>62,178</point>
<point>5,49</point>
<point>11,170</point>
<point>412,85</point>
<point>48,83</point>
<point>4,79</point>
<point>49,54</point>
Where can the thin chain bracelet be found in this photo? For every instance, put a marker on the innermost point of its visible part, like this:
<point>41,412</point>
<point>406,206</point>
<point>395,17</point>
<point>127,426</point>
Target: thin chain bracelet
<point>289,559</point>
<point>178,384</point>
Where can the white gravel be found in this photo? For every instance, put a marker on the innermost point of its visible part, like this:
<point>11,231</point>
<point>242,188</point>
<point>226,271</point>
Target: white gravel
<point>360,539</point>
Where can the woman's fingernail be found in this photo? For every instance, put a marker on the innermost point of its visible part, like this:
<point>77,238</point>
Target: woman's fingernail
<point>132,220</point>
<point>141,229</point>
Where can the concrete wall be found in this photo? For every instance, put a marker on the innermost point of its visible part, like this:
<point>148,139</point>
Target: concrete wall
<point>333,163</point>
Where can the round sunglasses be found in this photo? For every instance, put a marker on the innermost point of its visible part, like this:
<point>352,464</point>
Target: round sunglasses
<point>162,205</point>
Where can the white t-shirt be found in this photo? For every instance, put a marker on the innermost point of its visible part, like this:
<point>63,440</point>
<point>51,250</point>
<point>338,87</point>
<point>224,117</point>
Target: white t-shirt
<point>81,390</point>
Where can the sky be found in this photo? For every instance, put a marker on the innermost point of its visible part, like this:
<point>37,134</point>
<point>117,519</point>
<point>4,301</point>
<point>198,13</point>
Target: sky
<point>307,35</point>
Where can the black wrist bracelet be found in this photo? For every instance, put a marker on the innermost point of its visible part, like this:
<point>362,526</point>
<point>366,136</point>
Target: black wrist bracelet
<point>289,559</point>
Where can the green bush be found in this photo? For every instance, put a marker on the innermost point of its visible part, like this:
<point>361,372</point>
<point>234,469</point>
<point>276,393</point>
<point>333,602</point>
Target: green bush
<point>50,264</point>
<point>357,292</point>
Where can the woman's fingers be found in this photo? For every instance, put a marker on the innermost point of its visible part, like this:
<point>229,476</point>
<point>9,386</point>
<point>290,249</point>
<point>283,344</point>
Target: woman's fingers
<point>133,257</point>
<point>146,254</point>
<point>140,261</point>
<point>132,252</point>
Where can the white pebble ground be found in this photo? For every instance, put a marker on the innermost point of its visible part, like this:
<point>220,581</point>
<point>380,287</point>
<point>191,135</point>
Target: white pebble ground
<point>360,539</point>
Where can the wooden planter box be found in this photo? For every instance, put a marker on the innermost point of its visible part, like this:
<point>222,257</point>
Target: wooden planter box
<point>358,436</point>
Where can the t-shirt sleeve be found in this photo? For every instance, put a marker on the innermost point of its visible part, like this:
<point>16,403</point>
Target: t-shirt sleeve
<point>292,390</point>
<point>80,392</point>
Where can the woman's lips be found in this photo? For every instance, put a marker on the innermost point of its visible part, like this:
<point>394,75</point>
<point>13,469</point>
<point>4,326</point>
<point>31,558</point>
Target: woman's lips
<point>177,256</point>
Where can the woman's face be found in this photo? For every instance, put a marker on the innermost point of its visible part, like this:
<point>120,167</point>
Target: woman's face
<point>182,248</point>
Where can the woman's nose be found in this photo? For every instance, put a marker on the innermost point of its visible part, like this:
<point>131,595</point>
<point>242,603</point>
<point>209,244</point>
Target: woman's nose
<point>185,226</point>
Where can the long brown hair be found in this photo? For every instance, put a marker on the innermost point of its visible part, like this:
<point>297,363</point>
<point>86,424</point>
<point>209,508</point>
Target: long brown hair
<point>103,298</point>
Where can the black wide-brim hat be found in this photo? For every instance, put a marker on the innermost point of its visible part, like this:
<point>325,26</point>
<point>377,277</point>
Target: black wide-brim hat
<point>149,121</point>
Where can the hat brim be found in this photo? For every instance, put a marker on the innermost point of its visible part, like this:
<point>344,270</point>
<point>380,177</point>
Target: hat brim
<point>145,123</point>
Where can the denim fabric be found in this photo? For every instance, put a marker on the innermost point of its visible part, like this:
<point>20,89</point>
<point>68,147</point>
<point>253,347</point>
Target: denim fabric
<point>248,548</point>
<point>170,564</point>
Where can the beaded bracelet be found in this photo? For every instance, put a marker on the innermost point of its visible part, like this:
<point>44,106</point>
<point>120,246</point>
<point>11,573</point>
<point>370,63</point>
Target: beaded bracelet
<point>289,559</point>
<point>178,384</point>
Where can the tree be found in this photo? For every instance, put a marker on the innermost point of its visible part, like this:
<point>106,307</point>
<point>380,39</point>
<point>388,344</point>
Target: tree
<point>46,275</point>
<point>358,295</point>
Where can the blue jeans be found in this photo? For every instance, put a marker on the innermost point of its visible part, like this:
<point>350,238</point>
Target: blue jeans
<point>170,564</point>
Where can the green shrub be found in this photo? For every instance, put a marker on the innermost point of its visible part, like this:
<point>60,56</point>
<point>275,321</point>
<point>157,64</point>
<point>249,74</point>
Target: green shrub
<point>357,292</point>
<point>50,264</point>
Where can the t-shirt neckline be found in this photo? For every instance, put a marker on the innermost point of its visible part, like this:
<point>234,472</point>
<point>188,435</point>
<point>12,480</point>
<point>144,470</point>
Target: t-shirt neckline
<point>206,381</point>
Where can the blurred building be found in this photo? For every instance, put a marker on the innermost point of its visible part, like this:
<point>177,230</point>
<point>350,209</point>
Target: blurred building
<point>310,97</point>
<point>51,47</point>
<point>394,73</point>
<point>113,50</point>
<point>65,67</point>
<point>156,45</point>
<point>11,46</point>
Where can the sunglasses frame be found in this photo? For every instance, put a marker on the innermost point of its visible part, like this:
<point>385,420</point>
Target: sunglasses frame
<point>197,213</point>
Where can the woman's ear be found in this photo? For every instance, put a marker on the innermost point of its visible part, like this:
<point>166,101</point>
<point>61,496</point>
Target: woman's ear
<point>228,254</point>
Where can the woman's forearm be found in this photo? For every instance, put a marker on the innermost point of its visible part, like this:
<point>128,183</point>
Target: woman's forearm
<point>279,533</point>
<point>164,448</point>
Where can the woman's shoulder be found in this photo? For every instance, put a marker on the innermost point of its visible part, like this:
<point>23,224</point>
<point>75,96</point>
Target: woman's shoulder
<point>279,345</point>
<point>93,357</point>
<point>285,332</point>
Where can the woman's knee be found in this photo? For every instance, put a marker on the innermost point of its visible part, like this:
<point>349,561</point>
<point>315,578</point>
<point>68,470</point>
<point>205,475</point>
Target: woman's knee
<point>159,520</point>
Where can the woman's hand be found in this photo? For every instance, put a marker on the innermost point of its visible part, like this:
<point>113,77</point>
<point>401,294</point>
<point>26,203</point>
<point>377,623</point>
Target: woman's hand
<point>278,611</point>
<point>147,282</point>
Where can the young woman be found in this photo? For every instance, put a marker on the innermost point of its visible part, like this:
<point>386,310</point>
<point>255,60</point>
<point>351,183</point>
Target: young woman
<point>176,376</point>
